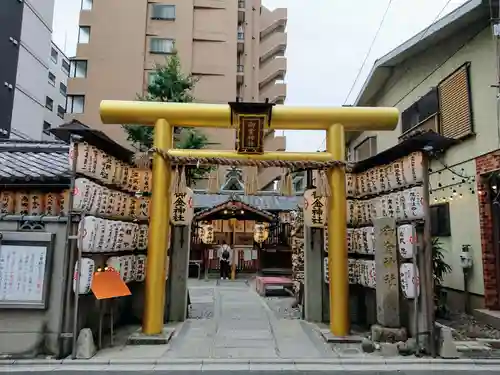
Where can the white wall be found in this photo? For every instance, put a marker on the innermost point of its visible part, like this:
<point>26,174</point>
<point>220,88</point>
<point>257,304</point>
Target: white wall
<point>422,73</point>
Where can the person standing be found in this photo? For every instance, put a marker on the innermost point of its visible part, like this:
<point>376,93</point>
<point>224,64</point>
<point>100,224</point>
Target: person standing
<point>224,255</point>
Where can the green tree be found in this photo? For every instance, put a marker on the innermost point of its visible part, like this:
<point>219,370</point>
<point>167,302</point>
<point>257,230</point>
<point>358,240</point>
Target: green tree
<point>170,84</point>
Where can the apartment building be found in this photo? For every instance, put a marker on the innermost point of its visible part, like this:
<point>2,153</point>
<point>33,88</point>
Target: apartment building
<point>234,48</point>
<point>25,36</point>
<point>443,80</point>
<point>55,96</point>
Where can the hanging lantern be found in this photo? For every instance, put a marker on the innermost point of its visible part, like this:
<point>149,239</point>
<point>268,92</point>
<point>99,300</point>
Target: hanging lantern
<point>314,209</point>
<point>182,208</point>
<point>260,232</point>
<point>250,119</point>
<point>207,233</point>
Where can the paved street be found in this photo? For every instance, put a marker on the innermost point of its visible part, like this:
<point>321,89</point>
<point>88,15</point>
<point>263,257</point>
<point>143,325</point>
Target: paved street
<point>232,329</point>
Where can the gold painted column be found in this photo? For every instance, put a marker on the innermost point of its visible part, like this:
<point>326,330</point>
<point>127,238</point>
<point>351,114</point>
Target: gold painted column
<point>337,235</point>
<point>159,227</point>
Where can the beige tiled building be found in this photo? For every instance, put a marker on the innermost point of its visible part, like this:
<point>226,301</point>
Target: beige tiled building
<point>235,49</point>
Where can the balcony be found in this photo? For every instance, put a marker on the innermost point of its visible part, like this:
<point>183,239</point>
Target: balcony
<point>240,72</point>
<point>272,69</point>
<point>241,11</point>
<point>210,4</point>
<point>241,41</point>
<point>429,124</point>
<point>270,21</point>
<point>275,92</point>
<point>274,44</point>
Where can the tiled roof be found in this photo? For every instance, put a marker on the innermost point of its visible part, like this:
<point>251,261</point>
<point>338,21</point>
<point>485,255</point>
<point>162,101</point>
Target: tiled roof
<point>33,161</point>
<point>46,162</point>
<point>263,202</point>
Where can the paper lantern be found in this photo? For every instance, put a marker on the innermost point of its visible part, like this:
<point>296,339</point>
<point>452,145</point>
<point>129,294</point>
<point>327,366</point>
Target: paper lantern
<point>87,268</point>
<point>352,270</point>
<point>414,203</point>
<point>260,232</point>
<point>371,281</point>
<point>206,233</point>
<point>7,202</point>
<point>369,239</point>
<point>410,280</point>
<point>140,268</point>
<point>412,168</point>
<point>406,240</point>
<point>315,208</point>
<point>182,208</point>
<point>127,268</point>
<point>350,179</point>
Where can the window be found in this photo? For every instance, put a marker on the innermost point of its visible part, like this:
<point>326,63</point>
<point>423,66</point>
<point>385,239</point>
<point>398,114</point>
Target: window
<point>440,220</point>
<point>366,149</point>
<point>54,55</point>
<point>456,104</point>
<point>87,4</point>
<point>84,34</point>
<point>161,45</point>
<point>46,127</point>
<point>241,33</point>
<point>61,111</point>
<point>75,103</point>
<point>162,12</point>
<point>52,78</point>
<point>63,89</point>
<point>151,77</point>
<point>78,69</point>
<point>65,67</point>
<point>420,111</point>
<point>49,103</point>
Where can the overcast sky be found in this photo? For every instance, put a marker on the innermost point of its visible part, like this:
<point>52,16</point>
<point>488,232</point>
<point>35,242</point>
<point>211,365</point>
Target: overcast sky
<point>327,43</point>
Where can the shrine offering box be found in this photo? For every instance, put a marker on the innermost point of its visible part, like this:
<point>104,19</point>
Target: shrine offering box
<point>25,269</point>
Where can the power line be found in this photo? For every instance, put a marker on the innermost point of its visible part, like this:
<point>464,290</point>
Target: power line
<point>424,33</point>
<point>369,51</point>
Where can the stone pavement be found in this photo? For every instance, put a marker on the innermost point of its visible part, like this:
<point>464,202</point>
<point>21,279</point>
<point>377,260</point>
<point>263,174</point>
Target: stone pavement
<point>237,323</point>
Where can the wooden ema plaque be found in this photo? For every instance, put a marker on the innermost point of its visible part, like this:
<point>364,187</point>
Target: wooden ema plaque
<point>109,284</point>
<point>251,134</point>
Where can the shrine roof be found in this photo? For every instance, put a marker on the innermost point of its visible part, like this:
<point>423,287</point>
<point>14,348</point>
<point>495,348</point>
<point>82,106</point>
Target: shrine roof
<point>94,137</point>
<point>33,162</point>
<point>265,202</point>
<point>230,207</point>
<point>426,141</point>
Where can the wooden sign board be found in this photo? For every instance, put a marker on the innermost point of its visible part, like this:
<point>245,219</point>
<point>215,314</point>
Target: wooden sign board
<point>251,134</point>
<point>315,207</point>
<point>109,284</point>
<point>181,208</point>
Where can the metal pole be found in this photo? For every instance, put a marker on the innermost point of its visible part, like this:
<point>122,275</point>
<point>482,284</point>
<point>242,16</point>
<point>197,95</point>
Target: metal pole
<point>415,301</point>
<point>428,284</point>
<point>77,292</point>
<point>69,249</point>
<point>337,232</point>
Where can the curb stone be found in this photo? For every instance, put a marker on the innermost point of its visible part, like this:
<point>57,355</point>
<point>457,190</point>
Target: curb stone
<point>351,361</point>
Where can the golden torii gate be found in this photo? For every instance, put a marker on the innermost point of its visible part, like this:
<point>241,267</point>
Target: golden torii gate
<point>164,116</point>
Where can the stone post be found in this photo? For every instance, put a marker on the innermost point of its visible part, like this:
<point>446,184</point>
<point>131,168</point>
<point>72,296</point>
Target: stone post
<point>387,273</point>
<point>313,274</point>
<point>178,275</point>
